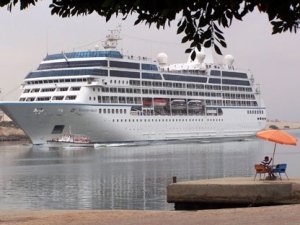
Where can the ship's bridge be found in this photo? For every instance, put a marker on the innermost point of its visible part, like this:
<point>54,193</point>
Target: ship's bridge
<point>86,54</point>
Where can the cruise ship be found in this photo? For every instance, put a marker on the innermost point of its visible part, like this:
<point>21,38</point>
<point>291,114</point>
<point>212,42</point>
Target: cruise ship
<point>116,98</point>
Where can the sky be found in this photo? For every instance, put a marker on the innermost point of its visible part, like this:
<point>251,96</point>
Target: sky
<point>27,36</point>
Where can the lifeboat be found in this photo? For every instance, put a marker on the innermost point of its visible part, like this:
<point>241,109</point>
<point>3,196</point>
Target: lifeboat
<point>160,102</point>
<point>194,105</point>
<point>178,104</point>
<point>147,102</point>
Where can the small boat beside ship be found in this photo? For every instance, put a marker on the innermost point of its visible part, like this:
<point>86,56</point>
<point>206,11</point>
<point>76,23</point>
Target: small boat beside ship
<point>71,140</point>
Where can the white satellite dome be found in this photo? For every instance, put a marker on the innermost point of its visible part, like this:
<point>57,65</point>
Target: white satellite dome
<point>228,60</point>
<point>200,56</point>
<point>162,58</point>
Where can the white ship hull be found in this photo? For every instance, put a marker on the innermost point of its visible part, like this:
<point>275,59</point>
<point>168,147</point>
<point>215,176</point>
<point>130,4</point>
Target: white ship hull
<point>127,128</point>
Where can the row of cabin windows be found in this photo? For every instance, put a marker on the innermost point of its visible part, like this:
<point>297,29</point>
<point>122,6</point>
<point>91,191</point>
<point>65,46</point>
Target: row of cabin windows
<point>97,63</point>
<point>239,103</point>
<point>176,92</point>
<point>255,112</point>
<point>134,100</point>
<point>238,96</point>
<point>55,81</point>
<point>137,100</point>
<point>48,98</point>
<point>149,83</point>
<point>144,83</point>
<point>35,90</point>
<point>189,86</point>
<point>165,120</point>
<point>119,99</point>
<point>261,118</point>
<point>113,111</point>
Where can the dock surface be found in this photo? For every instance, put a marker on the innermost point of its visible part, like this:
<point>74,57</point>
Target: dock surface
<point>233,192</point>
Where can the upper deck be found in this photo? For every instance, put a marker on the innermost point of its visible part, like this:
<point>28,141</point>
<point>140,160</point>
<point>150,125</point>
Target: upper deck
<point>86,54</point>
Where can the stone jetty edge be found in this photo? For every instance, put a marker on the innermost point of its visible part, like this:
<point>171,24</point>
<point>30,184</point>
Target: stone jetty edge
<point>233,192</point>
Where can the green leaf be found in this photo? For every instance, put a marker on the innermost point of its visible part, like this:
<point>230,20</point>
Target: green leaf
<point>182,27</point>
<point>193,55</point>
<point>217,49</point>
<point>207,34</point>
<point>108,16</point>
<point>194,43</point>
<point>197,14</point>
<point>224,21</point>
<point>216,28</point>
<point>188,50</point>
<point>107,3</point>
<point>55,10</point>
<point>219,36</point>
<point>137,22</point>
<point>198,47</point>
<point>272,13</point>
<point>185,39</point>
<point>207,44</point>
<point>224,45</point>
<point>238,16</point>
<point>229,14</point>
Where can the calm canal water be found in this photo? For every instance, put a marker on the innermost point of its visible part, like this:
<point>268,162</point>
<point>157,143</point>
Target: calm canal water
<point>124,177</point>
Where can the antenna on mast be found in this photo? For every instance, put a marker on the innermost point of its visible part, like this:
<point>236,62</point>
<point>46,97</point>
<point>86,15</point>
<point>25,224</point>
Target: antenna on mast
<point>112,38</point>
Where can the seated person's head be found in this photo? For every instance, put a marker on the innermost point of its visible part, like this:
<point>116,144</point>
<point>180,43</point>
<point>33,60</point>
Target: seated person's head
<point>266,158</point>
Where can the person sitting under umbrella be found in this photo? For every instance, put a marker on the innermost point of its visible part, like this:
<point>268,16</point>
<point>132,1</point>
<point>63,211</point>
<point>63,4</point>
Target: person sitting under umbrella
<point>266,162</point>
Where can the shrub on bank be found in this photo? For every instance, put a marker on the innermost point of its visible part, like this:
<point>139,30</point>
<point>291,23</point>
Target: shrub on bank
<point>8,124</point>
<point>273,127</point>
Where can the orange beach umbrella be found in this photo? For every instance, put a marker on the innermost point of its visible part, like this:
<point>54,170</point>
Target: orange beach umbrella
<point>277,136</point>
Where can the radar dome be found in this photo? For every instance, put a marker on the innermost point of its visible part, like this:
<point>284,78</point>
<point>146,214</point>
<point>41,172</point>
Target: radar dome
<point>162,58</point>
<point>97,47</point>
<point>228,60</point>
<point>200,56</point>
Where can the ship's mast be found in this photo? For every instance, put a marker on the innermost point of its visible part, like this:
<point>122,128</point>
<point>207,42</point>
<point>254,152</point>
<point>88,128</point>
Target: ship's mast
<point>112,38</point>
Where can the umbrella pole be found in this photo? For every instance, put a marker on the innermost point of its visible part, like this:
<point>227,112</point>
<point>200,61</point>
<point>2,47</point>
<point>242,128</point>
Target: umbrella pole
<point>273,154</point>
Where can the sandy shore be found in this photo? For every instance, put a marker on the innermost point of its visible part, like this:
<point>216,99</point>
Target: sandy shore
<point>275,215</point>
<point>283,125</point>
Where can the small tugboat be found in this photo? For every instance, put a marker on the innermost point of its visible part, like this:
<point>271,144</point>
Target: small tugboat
<point>70,140</point>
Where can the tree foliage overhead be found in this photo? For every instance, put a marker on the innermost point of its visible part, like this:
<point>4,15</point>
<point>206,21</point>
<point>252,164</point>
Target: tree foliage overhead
<point>200,19</point>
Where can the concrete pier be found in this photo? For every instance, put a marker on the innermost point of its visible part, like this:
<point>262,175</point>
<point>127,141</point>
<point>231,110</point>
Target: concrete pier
<point>233,192</point>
